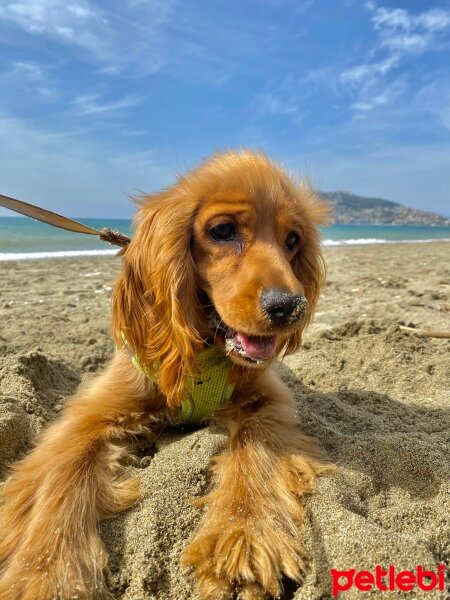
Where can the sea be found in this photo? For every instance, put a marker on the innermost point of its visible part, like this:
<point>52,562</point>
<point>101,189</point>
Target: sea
<point>22,238</point>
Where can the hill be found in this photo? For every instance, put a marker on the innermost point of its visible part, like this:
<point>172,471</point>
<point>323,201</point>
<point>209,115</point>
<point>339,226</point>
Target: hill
<point>350,208</point>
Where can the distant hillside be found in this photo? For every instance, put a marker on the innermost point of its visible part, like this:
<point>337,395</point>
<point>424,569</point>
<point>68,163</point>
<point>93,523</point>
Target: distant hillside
<point>349,208</point>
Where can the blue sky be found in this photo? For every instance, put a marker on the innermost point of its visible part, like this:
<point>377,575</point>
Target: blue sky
<point>103,99</point>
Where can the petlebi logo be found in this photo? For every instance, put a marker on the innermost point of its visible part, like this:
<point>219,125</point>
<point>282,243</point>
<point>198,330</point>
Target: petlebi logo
<point>388,579</point>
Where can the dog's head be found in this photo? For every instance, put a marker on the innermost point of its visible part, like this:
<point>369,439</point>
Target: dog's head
<point>229,255</point>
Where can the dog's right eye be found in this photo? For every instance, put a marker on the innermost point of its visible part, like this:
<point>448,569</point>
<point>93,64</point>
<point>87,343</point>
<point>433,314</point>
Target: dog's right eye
<point>223,232</point>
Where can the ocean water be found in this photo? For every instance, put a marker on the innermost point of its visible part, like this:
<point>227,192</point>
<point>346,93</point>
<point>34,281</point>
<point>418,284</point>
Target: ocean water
<point>23,238</point>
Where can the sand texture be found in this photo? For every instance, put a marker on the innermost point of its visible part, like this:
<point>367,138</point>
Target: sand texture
<point>376,398</point>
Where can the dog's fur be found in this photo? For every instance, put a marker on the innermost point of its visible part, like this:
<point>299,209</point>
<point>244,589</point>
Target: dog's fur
<point>174,274</point>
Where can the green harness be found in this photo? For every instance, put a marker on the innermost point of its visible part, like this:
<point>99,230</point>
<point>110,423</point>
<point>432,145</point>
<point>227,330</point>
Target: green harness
<point>205,392</point>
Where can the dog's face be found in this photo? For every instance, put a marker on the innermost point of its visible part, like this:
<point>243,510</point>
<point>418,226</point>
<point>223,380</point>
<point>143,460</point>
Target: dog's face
<point>230,253</point>
<point>246,244</point>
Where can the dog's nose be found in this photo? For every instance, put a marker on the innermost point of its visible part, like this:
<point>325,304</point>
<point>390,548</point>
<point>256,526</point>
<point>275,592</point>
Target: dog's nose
<point>279,305</point>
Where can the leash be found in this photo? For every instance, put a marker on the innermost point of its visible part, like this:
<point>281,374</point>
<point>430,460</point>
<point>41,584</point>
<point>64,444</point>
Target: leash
<point>203,394</point>
<point>46,216</point>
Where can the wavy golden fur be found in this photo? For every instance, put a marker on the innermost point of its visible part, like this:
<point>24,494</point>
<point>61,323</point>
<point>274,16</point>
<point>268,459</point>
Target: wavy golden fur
<point>225,256</point>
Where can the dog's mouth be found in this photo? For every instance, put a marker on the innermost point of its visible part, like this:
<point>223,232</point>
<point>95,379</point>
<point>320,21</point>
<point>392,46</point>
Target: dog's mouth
<point>252,348</point>
<point>257,348</point>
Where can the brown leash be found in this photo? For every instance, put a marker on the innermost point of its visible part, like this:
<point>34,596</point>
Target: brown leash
<point>46,216</point>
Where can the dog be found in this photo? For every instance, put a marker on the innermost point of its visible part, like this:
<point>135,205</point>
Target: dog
<point>221,278</point>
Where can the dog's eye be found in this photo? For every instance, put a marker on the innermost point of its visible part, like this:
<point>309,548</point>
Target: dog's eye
<point>223,232</point>
<point>291,241</point>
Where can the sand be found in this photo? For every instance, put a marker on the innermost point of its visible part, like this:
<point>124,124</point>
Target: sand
<point>376,398</point>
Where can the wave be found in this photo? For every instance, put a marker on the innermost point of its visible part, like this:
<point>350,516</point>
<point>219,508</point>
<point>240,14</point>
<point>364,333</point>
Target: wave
<point>9,256</point>
<point>356,241</point>
<point>56,254</point>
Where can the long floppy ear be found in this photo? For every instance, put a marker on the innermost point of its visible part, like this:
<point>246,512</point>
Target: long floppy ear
<point>309,265</point>
<point>155,302</point>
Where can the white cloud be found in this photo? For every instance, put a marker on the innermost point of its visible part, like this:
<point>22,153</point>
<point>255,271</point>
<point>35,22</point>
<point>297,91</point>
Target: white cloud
<point>368,72</point>
<point>24,79</point>
<point>434,20</point>
<point>270,103</point>
<point>47,16</point>
<point>407,43</point>
<point>401,34</point>
<point>94,104</point>
<point>431,20</point>
<point>283,99</point>
<point>125,34</point>
<point>387,96</point>
<point>31,71</point>
<point>190,41</point>
<point>396,18</point>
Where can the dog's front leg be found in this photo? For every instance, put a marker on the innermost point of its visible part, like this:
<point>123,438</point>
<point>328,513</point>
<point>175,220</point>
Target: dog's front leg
<point>49,546</point>
<point>248,538</point>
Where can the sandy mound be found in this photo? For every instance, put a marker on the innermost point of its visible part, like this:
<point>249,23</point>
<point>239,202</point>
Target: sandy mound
<point>33,388</point>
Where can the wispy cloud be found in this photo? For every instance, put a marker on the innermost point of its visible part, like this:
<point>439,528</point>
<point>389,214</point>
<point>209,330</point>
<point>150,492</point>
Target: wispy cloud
<point>435,19</point>
<point>268,103</point>
<point>51,17</point>
<point>281,99</point>
<point>127,34</point>
<point>95,104</point>
<point>387,96</point>
<point>92,88</point>
<point>401,34</point>
<point>368,73</point>
<point>25,76</point>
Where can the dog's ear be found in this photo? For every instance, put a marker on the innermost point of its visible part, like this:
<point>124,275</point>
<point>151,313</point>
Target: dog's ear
<point>156,308</point>
<point>309,265</point>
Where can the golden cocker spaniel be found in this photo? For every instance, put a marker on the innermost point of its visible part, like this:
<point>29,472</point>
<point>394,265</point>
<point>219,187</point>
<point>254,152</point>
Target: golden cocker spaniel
<point>221,277</point>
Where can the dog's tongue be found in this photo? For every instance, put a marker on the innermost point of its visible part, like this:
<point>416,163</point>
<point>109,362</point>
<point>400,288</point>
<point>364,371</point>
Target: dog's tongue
<point>257,347</point>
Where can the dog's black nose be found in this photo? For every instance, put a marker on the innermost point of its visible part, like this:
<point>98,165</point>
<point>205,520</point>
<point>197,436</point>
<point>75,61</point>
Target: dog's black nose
<point>281,306</point>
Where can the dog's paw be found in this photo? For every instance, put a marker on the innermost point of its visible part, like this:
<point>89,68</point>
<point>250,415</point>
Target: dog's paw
<point>243,558</point>
<point>48,584</point>
<point>42,570</point>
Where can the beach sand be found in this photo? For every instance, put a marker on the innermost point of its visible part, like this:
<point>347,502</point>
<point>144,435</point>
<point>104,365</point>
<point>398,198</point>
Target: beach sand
<point>376,398</point>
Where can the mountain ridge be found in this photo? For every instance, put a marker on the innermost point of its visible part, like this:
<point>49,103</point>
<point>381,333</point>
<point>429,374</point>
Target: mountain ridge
<point>349,208</point>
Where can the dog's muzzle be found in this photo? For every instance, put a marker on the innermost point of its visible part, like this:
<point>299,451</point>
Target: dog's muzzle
<point>283,308</point>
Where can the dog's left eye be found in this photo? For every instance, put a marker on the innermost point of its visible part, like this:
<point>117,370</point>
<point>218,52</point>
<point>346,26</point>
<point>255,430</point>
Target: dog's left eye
<point>291,241</point>
<point>223,232</point>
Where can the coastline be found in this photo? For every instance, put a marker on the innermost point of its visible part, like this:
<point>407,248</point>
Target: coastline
<point>376,398</point>
<point>326,243</point>
<point>23,239</point>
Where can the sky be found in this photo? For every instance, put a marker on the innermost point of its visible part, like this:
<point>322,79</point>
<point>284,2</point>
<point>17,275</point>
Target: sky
<point>103,100</point>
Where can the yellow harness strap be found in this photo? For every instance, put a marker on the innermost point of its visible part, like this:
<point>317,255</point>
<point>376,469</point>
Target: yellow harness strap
<point>205,392</point>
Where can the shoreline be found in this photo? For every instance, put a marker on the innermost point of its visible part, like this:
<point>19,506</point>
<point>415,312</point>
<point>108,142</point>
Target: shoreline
<point>58,254</point>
